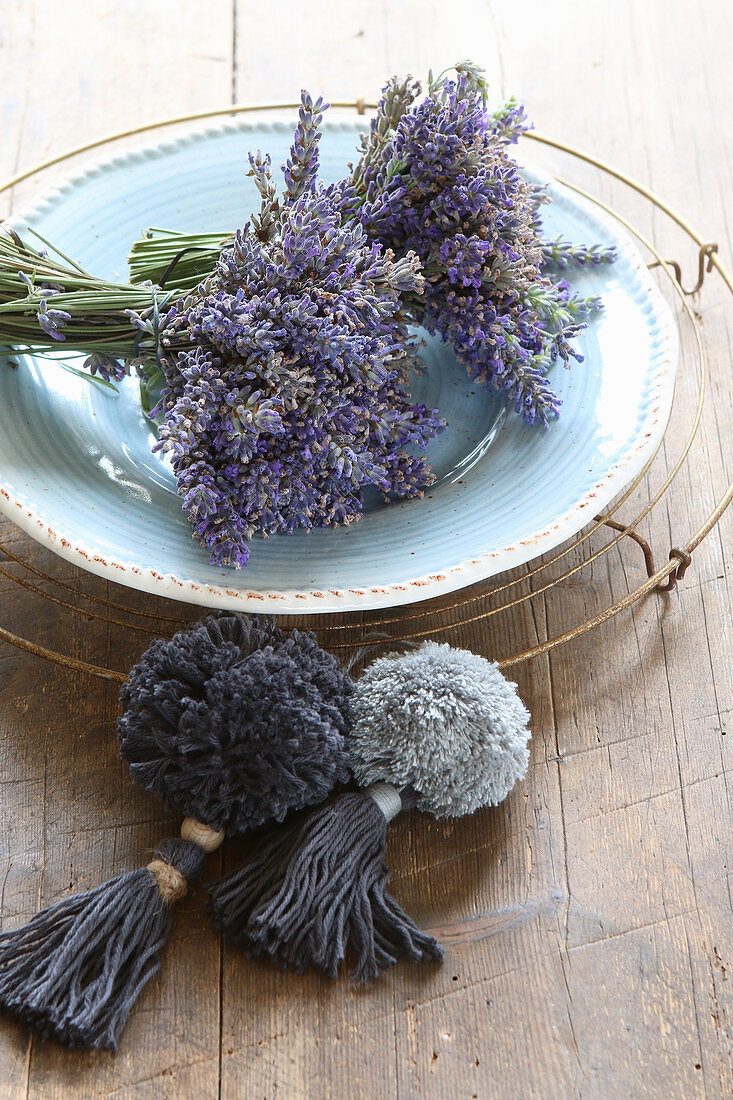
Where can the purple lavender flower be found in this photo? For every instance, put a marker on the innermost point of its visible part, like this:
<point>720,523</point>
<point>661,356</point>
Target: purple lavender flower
<point>52,321</point>
<point>301,168</point>
<point>285,374</point>
<point>105,366</point>
<point>435,179</point>
<point>562,254</point>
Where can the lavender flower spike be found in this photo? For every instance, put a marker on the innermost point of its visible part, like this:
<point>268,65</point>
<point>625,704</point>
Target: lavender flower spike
<point>301,168</point>
<point>436,180</point>
<point>52,320</point>
<point>285,373</point>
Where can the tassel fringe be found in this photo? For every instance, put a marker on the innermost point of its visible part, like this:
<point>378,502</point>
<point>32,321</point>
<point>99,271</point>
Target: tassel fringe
<point>76,969</point>
<point>315,890</point>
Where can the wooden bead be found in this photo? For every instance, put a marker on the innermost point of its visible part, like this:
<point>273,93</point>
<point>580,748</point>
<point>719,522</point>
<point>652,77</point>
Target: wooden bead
<point>198,833</point>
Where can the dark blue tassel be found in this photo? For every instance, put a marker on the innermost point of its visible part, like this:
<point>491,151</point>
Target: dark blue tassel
<point>76,969</point>
<point>315,891</point>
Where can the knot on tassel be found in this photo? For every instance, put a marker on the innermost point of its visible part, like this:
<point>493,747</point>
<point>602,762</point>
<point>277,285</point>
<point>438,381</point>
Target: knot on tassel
<point>172,881</point>
<point>388,799</point>
<point>182,859</point>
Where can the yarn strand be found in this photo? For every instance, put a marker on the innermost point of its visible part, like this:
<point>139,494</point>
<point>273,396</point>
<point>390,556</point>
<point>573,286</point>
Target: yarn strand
<point>76,969</point>
<point>314,893</point>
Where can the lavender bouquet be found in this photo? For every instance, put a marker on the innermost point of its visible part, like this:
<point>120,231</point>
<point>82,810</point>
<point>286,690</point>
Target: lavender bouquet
<point>291,395</point>
<point>276,363</point>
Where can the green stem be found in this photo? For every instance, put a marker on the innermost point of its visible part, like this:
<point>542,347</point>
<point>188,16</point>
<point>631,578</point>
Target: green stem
<point>196,255</point>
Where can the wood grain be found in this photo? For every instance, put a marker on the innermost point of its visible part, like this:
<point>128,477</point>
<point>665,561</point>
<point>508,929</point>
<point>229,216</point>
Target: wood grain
<point>588,920</point>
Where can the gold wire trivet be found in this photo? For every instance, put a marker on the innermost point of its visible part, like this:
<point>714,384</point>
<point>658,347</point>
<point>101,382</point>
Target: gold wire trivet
<point>497,598</point>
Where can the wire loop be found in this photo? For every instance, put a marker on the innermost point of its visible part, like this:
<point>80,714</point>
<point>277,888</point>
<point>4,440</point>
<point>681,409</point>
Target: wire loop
<point>683,559</point>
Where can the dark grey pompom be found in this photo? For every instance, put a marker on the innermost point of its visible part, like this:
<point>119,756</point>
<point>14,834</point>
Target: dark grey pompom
<point>234,723</point>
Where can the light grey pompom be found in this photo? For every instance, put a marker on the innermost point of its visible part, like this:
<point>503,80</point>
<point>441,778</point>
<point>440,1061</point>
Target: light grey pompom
<point>444,721</point>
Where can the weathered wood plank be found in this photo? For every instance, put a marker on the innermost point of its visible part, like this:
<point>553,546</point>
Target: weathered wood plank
<point>644,785</point>
<point>347,50</point>
<point>69,816</point>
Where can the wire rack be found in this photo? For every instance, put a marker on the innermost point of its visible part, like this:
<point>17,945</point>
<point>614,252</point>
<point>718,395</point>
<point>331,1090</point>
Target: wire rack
<point>612,529</point>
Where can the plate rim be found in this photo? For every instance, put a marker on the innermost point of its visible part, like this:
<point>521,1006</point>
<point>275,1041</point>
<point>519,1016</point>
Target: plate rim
<point>641,447</point>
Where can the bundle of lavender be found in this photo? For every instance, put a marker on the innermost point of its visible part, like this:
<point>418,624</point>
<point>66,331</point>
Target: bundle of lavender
<point>279,357</point>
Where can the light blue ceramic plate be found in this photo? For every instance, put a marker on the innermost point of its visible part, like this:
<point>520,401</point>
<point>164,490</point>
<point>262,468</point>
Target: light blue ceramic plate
<point>76,470</point>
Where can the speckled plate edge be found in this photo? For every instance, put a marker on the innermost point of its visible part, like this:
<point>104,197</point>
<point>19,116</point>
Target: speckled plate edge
<point>641,447</point>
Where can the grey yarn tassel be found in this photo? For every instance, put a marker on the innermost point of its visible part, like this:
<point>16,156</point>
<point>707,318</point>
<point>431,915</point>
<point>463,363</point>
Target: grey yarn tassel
<point>76,969</point>
<point>315,890</point>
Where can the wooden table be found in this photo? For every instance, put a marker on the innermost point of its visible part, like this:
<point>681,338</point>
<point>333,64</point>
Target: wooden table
<point>588,919</point>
